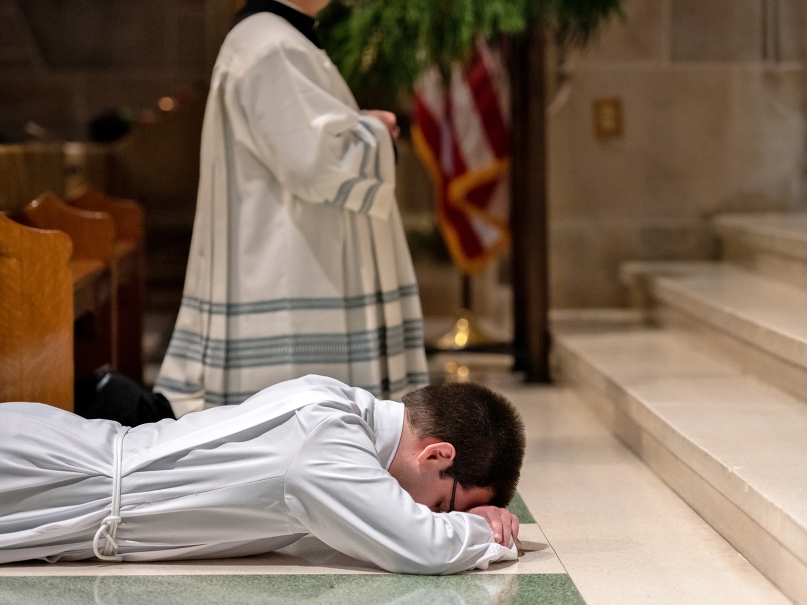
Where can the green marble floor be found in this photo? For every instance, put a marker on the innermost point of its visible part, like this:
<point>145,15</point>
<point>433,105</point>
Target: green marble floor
<point>472,589</point>
<point>312,574</point>
<point>518,508</point>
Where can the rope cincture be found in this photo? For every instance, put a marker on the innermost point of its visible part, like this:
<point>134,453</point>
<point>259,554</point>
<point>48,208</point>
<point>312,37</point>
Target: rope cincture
<point>109,526</point>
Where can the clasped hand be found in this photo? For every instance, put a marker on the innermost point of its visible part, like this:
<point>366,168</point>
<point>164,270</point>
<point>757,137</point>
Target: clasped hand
<point>503,523</point>
<point>388,118</point>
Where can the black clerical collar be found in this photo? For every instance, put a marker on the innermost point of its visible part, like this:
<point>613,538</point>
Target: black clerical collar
<point>300,21</point>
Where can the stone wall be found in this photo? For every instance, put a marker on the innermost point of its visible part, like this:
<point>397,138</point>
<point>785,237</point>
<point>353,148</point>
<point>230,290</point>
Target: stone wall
<point>61,63</point>
<point>712,96</point>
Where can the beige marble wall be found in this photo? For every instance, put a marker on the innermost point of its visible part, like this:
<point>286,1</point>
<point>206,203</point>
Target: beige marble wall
<point>713,101</point>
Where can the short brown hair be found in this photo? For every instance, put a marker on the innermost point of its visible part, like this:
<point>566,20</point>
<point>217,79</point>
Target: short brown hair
<point>485,429</point>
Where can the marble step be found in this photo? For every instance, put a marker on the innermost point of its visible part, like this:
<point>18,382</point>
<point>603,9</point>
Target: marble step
<point>758,323</point>
<point>731,446</point>
<point>599,507</point>
<point>774,245</point>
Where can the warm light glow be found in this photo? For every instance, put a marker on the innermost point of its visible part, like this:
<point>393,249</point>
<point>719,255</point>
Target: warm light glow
<point>166,104</point>
<point>461,337</point>
<point>450,367</point>
<point>463,371</point>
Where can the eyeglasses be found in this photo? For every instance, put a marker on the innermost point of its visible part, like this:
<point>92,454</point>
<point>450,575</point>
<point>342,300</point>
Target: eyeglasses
<point>453,495</point>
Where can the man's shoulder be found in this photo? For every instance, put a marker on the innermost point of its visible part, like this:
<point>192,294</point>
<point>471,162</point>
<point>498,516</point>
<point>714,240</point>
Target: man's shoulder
<point>333,416</point>
<point>264,36</point>
<point>334,438</point>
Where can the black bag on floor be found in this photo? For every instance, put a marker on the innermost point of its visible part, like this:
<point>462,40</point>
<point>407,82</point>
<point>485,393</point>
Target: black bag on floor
<point>112,396</point>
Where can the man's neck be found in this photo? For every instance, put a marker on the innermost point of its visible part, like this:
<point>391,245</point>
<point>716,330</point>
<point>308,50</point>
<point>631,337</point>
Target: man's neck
<point>307,7</point>
<point>405,447</point>
<point>291,4</point>
<point>294,12</point>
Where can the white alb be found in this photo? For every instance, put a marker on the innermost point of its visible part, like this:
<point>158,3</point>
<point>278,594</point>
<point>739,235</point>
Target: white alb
<point>299,264</point>
<point>305,456</point>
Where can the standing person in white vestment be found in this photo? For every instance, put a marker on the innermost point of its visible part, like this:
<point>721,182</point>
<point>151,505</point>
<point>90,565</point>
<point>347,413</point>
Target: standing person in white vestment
<point>298,262</point>
<point>377,480</point>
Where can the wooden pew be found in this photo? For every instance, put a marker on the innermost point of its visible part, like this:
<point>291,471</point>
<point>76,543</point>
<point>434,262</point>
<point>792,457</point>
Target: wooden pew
<point>36,315</point>
<point>28,169</point>
<point>128,258</point>
<point>105,272</point>
<point>12,176</point>
<point>94,280</point>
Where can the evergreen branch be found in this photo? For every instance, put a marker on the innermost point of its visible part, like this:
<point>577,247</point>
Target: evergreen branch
<point>382,46</point>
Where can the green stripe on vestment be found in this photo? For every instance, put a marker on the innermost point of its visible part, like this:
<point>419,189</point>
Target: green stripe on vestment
<point>410,331</point>
<point>378,154</point>
<point>217,398</point>
<point>345,188</point>
<point>300,304</point>
<point>412,378</point>
<point>369,198</point>
<point>344,348</point>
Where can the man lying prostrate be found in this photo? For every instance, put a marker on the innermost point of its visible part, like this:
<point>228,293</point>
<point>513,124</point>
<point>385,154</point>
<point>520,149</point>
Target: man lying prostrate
<point>414,487</point>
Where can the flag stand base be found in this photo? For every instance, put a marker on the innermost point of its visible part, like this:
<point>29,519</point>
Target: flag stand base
<point>466,334</point>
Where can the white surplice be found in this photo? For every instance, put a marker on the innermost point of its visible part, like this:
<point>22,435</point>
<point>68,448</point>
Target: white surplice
<point>305,456</point>
<point>299,262</point>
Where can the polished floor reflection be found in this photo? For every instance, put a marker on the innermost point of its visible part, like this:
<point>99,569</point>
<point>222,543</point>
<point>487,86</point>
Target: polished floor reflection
<point>535,589</point>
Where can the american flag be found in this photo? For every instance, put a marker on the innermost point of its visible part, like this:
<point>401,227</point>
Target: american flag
<point>461,133</point>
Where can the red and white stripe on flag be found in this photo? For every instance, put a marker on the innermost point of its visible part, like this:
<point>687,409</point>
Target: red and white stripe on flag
<point>461,132</point>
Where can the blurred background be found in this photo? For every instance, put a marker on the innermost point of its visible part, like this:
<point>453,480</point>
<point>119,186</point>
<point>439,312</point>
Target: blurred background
<point>677,111</point>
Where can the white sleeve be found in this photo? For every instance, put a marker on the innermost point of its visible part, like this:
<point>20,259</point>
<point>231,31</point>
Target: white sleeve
<point>319,148</point>
<point>337,490</point>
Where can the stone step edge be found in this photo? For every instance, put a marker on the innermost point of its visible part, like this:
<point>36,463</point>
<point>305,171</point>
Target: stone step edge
<point>678,443</point>
<point>650,284</point>
<point>735,323</point>
<point>758,236</point>
<point>778,562</point>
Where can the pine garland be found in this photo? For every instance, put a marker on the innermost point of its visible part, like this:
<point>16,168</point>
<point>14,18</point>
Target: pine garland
<point>382,46</point>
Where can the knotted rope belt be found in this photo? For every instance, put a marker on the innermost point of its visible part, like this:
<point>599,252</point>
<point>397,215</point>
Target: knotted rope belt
<point>109,526</point>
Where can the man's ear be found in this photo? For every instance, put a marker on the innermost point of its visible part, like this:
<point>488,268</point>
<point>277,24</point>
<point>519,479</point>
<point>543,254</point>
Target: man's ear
<point>437,456</point>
